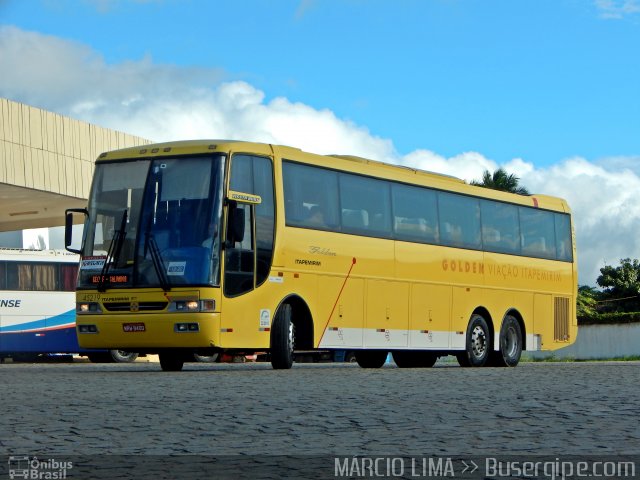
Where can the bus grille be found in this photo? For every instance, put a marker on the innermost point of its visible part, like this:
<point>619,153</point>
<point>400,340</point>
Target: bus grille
<point>561,319</point>
<point>142,306</point>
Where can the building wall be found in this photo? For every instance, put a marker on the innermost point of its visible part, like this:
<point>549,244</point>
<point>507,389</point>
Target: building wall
<point>50,152</point>
<point>598,342</point>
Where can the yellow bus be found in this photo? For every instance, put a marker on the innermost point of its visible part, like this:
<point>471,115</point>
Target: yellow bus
<point>210,246</point>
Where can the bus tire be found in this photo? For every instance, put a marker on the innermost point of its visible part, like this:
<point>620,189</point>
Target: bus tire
<point>206,358</point>
<point>100,357</point>
<point>171,361</point>
<point>371,358</point>
<point>122,356</point>
<point>350,357</point>
<point>478,343</point>
<point>463,360</point>
<point>282,339</point>
<point>510,344</point>
<point>414,358</point>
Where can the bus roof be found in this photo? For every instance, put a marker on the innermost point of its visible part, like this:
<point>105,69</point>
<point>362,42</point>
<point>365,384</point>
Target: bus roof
<point>350,163</point>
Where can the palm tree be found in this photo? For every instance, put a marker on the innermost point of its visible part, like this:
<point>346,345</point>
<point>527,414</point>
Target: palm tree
<point>501,180</point>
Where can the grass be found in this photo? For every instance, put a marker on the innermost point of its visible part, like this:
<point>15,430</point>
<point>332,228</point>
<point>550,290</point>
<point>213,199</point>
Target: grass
<point>551,358</point>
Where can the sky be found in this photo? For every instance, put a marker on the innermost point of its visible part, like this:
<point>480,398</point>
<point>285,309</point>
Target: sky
<point>547,89</point>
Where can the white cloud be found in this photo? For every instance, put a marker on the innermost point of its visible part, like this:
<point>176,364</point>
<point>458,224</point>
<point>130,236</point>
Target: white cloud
<point>605,207</point>
<point>617,9</point>
<point>166,102</point>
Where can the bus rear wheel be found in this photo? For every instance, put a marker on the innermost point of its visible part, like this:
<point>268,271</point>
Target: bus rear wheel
<point>371,358</point>
<point>282,339</point>
<point>478,343</point>
<point>171,361</point>
<point>414,359</point>
<point>510,344</point>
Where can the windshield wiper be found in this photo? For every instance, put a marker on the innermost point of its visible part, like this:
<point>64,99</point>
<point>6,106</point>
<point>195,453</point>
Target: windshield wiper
<point>114,252</point>
<point>158,264</point>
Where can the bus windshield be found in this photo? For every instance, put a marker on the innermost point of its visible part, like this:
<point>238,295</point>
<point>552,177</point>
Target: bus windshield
<point>154,223</point>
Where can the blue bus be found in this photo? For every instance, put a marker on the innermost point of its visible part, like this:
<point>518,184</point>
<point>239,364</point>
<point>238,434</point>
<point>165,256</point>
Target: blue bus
<point>37,306</point>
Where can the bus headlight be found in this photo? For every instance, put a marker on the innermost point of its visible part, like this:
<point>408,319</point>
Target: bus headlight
<point>193,306</point>
<point>88,308</point>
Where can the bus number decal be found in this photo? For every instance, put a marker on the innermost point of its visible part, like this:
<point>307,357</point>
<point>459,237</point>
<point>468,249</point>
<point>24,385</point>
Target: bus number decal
<point>176,268</point>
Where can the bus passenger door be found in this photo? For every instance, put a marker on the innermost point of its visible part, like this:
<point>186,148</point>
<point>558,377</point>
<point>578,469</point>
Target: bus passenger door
<point>248,252</point>
<point>239,251</point>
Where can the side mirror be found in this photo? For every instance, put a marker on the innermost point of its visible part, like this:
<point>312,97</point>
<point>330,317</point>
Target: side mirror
<point>235,224</point>
<point>68,227</point>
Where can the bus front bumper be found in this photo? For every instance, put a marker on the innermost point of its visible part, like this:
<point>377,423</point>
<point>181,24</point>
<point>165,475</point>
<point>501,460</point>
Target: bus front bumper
<point>149,331</point>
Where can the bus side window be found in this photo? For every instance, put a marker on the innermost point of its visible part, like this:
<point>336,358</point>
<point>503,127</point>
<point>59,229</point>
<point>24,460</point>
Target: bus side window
<point>415,214</point>
<point>538,233</point>
<point>68,276</point>
<point>500,227</point>
<point>563,237</point>
<point>13,277</point>
<point>459,220</point>
<point>366,205</point>
<point>44,276</point>
<point>309,194</point>
<point>354,219</point>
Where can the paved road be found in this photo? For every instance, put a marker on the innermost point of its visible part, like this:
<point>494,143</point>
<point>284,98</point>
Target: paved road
<point>319,409</point>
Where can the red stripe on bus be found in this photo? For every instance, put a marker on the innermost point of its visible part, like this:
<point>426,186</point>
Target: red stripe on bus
<point>353,262</point>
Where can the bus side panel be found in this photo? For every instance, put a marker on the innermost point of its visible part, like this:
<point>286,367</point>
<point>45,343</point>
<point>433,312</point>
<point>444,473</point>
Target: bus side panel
<point>38,322</point>
<point>464,302</point>
<point>59,340</point>
<point>430,316</point>
<point>346,307</point>
<point>543,319</point>
<point>31,342</point>
<point>387,314</point>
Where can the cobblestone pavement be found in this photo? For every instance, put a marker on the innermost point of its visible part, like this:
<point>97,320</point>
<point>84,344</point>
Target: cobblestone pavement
<point>320,409</point>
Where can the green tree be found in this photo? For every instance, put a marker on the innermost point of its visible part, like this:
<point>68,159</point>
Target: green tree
<point>587,301</point>
<point>501,180</point>
<point>621,285</point>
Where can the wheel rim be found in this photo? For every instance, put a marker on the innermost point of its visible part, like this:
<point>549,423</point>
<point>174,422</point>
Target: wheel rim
<point>291,337</point>
<point>510,342</point>
<point>478,342</point>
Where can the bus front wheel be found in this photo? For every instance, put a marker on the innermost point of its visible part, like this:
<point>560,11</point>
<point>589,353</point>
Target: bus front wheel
<point>171,361</point>
<point>121,356</point>
<point>371,358</point>
<point>282,339</point>
<point>478,343</point>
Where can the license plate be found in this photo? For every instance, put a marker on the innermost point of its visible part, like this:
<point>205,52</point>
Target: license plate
<point>133,327</point>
